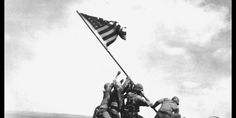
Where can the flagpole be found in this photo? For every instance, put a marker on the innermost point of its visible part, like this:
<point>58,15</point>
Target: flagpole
<point>102,44</point>
<point>108,52</point>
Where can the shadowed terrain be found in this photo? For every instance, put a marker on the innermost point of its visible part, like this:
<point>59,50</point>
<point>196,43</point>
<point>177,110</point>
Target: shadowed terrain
<point>20,114</point>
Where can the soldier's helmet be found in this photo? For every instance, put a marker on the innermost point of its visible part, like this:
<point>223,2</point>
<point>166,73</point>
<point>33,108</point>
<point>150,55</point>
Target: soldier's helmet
<point>175,99</point>
<point>138,87</point>
<point>106,85</point>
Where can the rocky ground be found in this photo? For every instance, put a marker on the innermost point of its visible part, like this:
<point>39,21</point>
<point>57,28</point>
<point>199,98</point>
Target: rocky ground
<point>25,114</point>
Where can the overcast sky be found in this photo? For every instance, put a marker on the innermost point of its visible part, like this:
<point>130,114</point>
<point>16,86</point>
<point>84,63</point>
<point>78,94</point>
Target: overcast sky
<point>53,63</point>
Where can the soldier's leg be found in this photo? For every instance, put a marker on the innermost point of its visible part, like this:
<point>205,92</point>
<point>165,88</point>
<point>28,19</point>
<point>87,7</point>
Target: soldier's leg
<point>162,115</point>
<point>136,115</point>
<point>96,111</point>
<point>139,116</point>
<point>158,115</point>
<point>124,114</point>
<point>176,115</point>
<point>105,114</point>
<point>102,113</point>
<point>114,113</point>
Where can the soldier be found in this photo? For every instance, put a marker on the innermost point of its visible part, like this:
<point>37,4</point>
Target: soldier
<point>168,109</point>
<point>115,101</point>
<point>127,86</point>
<point>134,101</point>
<point>117,96</point>
<point>111,102</point>
<point>102,111</point>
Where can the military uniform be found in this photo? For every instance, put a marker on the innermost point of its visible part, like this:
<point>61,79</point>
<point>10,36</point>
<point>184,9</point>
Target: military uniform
<point>112,102</point>
<point>117,97</point>
<point>169,108</point>
<point>115,102</point>
<point>134,101</point>
<point>122,93</point>
<point>126,86</point>
<point>102,111</point>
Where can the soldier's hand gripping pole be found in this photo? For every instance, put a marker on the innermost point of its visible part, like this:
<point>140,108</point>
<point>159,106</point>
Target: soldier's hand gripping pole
<point>142,94</point>
<point>149,101</point>
<point>118,73</point>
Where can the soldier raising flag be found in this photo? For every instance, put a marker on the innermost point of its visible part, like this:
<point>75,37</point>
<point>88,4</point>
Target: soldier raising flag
<point>135,99</point>
<point>113,104</point>
<point>113,99</point>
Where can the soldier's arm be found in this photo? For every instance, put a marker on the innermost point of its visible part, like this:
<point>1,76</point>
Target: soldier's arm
<point>117,87</point>
<point>158,102</point>
<point>107,91</point>
<point>146,99</point>
<point>120,99</point>
<point>107,94</point>
<point>127,84</point>
<point>110,86</point>
<point>116,84</point>
<point>142,101</point>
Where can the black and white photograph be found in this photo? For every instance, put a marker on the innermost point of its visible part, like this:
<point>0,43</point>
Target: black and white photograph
<point>118,58</point>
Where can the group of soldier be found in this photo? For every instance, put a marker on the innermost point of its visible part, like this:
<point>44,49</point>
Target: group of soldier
<point>122,99</point>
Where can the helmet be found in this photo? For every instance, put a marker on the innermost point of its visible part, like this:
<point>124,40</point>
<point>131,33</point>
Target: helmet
<point>175,99</point>
<point>138,87</point>
<point>106,85</point>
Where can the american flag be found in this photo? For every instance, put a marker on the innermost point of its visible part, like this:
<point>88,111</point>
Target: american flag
<point>108,30</point>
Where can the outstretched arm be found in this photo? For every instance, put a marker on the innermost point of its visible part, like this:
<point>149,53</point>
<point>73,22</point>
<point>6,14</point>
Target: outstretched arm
<point>142,102</point>
<point>106,94</point>
<point>157,103</point>
<point>127,85</point>
<point>117,87</point>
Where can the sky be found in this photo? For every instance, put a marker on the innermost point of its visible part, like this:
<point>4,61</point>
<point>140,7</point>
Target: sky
<point>53,63</point>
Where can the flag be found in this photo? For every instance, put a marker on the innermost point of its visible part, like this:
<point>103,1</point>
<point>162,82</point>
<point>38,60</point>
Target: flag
<point>108,30</point>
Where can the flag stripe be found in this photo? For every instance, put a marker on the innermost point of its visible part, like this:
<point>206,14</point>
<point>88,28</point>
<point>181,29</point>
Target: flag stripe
<point>111,40</point>
<point>102,28</point>
<point>107,29</point>
<point>112,31</point>
<point>108,36</point>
